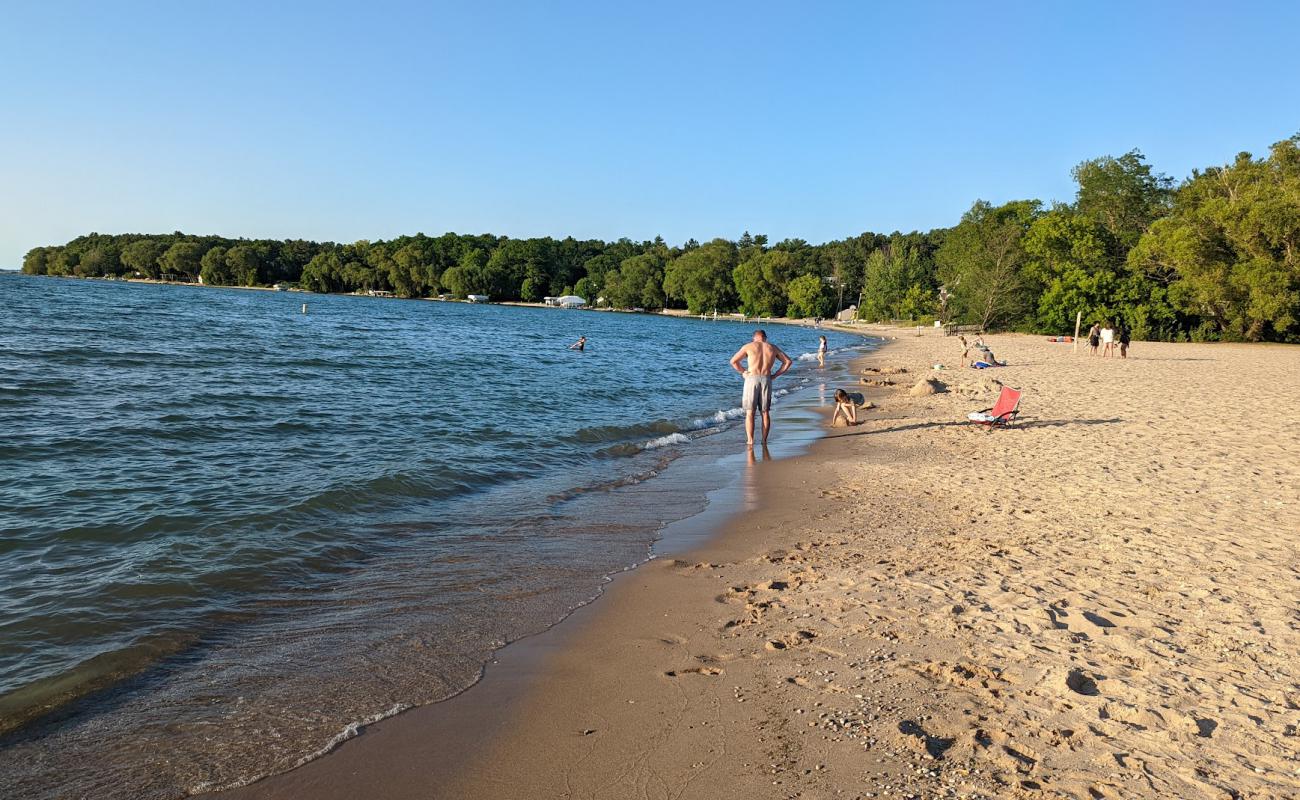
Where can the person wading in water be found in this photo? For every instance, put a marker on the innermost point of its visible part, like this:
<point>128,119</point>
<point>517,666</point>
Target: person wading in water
<point>757,397</point>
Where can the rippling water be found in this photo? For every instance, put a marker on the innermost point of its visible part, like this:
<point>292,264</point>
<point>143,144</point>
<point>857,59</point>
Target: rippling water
<point>230,532</point>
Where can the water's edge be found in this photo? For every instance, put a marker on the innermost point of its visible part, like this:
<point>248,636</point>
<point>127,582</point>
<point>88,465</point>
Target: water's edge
<point>676,536</point>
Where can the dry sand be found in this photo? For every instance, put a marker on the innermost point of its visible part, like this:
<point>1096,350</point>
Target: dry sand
<point>1103,601</point>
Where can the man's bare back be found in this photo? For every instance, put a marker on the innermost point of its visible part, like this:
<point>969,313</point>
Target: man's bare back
<point>761,357</point>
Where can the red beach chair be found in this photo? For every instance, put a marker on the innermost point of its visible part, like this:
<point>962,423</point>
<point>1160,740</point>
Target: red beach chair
<point>1002,413</point>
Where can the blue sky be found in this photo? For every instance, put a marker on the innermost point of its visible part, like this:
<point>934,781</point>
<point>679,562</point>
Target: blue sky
<point>816,120</point>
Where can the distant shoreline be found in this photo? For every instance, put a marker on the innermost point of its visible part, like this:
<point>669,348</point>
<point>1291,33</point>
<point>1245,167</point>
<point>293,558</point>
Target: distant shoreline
<point>854,326</point>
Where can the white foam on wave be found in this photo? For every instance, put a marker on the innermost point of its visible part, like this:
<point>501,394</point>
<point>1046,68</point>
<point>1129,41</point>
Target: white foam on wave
<point>672,438</point>
<point>350,731</point>
<point>718,418</point>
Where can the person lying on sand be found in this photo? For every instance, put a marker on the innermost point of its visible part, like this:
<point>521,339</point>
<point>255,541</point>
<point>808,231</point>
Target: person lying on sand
<point>580,344</point>
<point>844,406</point>
<point>761,357</point>
<point>985,357</point>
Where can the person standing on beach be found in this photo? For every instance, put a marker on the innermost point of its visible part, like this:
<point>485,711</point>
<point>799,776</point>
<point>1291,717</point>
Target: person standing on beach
<point>821,352</point>
<point>761,356</point>
<point>1108,340</point>
<point>1124,338</point>
<point>1094,338</point>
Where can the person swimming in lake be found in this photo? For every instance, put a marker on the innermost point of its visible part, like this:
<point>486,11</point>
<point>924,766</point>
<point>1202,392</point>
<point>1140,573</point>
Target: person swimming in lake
<point>845,407</point>
<point>821,352</point>
<point>579,345</point>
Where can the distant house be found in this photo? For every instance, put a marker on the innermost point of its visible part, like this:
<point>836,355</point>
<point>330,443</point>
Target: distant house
<point>570,301</point>
<point>477,298</point>
<point>848,315</point>
<point>551,301</point>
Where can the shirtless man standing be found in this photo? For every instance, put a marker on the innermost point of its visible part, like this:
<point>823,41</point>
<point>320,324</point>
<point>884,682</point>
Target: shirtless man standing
<point>761,356</point>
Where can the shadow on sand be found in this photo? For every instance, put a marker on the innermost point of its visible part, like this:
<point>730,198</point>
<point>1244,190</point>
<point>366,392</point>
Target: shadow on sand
<point>1021,425</point>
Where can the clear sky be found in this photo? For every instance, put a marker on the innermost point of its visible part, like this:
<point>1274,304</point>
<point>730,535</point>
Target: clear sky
<point>603,119</point>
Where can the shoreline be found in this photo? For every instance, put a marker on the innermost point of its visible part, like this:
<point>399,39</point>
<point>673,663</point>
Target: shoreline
<point>515,666</point>
<point>235,741</point>
<point>442,737</point>
<point>852,326</point>
<point>926,609</point>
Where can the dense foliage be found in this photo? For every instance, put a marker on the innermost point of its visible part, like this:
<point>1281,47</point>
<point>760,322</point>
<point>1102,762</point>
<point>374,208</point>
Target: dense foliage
<point>1217,257</point>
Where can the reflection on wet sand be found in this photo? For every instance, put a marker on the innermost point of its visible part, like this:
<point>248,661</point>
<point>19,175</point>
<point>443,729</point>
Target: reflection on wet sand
<point>749,481</point>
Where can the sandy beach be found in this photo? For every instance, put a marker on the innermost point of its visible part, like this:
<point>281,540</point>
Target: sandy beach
<point>1100,602</point>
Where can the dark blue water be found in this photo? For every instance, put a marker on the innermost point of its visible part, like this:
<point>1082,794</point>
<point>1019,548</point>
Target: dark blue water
<point>230,530</point>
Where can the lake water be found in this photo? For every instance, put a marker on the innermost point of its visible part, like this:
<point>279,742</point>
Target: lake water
<point>231,532</point>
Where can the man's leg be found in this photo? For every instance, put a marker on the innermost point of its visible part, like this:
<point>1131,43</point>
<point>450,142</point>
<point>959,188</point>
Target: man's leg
<point>749,426</point>
<point>767,428</point>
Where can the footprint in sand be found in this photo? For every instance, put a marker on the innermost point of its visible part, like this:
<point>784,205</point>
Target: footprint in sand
<point>708,671</point>
<point>790,640</point>
<point>1082,683</point>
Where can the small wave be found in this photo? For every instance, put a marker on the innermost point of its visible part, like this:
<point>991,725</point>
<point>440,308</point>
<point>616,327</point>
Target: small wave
<point>663,441</point>
<point>613,433</point>
<point>717,419</point>
<point>350,731</point>
<point>617,483</point>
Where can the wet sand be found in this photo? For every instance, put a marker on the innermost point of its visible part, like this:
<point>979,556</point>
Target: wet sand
<point>1100,602</point>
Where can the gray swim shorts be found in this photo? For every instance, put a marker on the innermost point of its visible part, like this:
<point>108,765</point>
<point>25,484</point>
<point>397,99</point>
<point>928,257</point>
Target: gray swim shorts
<point>758,393</point>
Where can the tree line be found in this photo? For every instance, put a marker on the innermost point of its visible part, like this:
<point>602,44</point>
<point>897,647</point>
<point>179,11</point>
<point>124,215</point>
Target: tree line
<point>1216,257</point>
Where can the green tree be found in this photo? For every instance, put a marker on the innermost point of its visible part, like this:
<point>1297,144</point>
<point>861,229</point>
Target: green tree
<point>981,260</point>
<point>899,279</point>
<point>702,277</point>
<point>144,256</point>
<point>245,265</point>
<point>36,261</point>
<point>213,269</point>
<point>1232,247</point>
<point>809,297</point>
<point>468,276</point>
<point>323,273</point>
<point>638,282</point>
<point>761,281</point>
<point>1122,194</point>
<point>587,289</point>
<point>1069,262</point>
<point>183,259</point>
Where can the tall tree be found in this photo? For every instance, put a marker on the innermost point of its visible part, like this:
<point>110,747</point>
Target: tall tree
<point>702,277</point>
<point>1233,243</point>
<point>809,297</point>
<point>1123,194</point>
<point>980,263</point>
<point>183,259</point>
<point>144,255</point>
